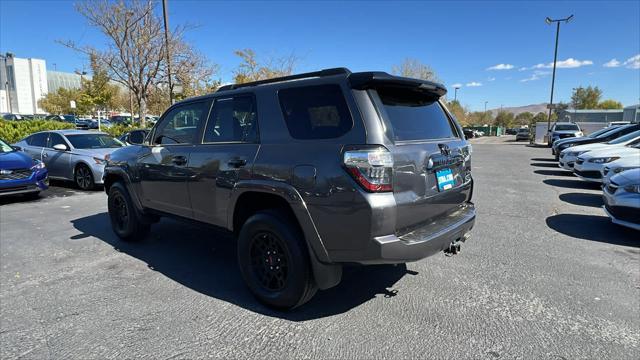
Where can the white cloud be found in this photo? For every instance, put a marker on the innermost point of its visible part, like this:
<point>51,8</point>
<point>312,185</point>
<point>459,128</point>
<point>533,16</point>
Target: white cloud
<point>567,64</point>
<point>501,67</point>
<point>537,75</point>
<point>523,69</point>
<point>457,85</point>
<point>611,63</point>
<point>633,62</point>
<point>531,78</point>
<point>491,79</point>
<point>474,84</point>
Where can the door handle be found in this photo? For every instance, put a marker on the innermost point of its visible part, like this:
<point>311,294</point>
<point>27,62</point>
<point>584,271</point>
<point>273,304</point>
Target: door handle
<point>179,160</point>
<point>237,162</point>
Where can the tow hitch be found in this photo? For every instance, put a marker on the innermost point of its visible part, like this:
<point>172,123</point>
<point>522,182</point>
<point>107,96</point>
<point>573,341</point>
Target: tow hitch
<point>454,247</point>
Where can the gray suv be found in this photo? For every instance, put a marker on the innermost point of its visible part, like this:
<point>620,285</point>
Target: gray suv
<point>310,171</point>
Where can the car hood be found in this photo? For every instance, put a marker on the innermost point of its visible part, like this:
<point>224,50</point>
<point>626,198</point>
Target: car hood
<point>590,147</point>
<point>566,131</point>
<point>581,141</point>
<point>15,160</point>
<point>629,177</point>
<point>612,150</point>
<point>627,160</point>
<point>99,153</point>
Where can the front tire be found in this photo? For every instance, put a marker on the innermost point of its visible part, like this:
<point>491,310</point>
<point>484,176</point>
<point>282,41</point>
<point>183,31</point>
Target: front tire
<point>125,220</point>
<point>84,177</point>
<point>274,260</point>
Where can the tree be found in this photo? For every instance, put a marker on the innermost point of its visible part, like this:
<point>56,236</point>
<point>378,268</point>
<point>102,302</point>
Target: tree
<point>610,104</point>
<point>524,118</point>
<point>250,69</point>
<point>98,93</point>
<point>586,98</point>
<point>413,68</point>
<point>458,111</point>
<point>504,119</point>
<point>136,47</point>
<point>539,117</point>
<point>59,102</point>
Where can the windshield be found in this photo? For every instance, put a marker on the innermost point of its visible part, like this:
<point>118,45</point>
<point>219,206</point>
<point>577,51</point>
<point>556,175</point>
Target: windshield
<point>562,127</point>
<point>523,130</point>
<point>625,138</point>
<point>93,141</point>
<point>5,148</point>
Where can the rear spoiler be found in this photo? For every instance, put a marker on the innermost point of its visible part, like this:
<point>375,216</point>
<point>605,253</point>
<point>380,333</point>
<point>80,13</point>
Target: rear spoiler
<point>372,79</point>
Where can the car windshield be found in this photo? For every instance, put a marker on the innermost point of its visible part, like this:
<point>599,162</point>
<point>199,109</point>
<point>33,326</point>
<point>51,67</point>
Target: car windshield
<point>601,131</point>
<point>562,127</point>
<point>625,138</point>
<point>5,148</point>
<point>93,141</point>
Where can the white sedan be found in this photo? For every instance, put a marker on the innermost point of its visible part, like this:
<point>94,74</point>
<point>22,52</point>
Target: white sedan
<point>569,156</point>
<point>622,199</point>
<point>618,166</point>
<point>589,166</point>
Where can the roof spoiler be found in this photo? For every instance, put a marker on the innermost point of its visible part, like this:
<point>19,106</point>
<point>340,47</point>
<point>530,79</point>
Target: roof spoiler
<point>321,73</point>
<point>368,80</point>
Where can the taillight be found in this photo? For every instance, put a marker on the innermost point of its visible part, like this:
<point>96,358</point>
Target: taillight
<point>372,168</point>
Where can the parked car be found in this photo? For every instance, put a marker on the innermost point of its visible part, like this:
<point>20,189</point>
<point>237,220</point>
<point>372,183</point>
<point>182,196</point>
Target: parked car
<point>588,167</point>
<point>563,130</point>
<point>120,120</point>
<point>569,156</point>
<point>522,134</point>
<point>104,123</point>
<point>469,133</point>
<point>511,131</point>
<point>622,198</point>
<point>618,166</point>
<point>618,123</point>
<point>602,138</point>
<point>337,151</point>
<point>19,173</point>
<point>12,117</point>
<point>592,135</point>
<point>83,123</point>
<point>134,137</point>
<point>74,155</point>
<point>55,118</point>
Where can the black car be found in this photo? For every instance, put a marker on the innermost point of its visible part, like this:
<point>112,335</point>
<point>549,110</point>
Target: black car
<point>310,172</point>
<point>603,137</point>
<point>120,120</point>
<point>469,133</point>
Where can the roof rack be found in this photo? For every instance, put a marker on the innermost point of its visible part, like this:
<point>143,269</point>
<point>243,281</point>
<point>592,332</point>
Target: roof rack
<point>321,73</point>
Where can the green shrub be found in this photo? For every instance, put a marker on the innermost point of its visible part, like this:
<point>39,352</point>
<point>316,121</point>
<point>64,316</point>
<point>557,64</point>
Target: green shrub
<point>12,131</point>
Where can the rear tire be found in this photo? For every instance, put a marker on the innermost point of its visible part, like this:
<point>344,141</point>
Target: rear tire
<point>125,219</point>
<point>274,260</point>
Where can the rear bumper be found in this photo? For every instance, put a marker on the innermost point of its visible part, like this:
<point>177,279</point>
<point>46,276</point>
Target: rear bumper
<point>417,244</point>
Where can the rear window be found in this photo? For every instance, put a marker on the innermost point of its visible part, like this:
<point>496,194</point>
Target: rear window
<point>315,112</point>
<point>415,115</point>
<point>565,127</point>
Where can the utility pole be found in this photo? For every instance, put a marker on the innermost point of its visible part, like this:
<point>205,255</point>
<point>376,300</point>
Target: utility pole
<point>550,21</point>
<point>455,93</point>
<point>166,41</point>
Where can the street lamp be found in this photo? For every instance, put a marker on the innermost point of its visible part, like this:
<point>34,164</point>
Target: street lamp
<point>455,93</point>
<point>550,21</point>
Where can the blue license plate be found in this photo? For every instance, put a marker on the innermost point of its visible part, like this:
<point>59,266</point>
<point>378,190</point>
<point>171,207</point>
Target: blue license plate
<point>445,179</point>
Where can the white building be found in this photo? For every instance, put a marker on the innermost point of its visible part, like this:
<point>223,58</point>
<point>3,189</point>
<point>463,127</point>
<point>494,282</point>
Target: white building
<point>23,82</point>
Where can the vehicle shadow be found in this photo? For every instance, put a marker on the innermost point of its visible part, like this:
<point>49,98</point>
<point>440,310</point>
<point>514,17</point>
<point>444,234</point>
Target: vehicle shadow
<point>554,172</point>
<point>582,199</point>
<point>593,228</point>
<point>205,261</point>
<point>544,164</point>
<point>572,184</point>
<point>543,159</point>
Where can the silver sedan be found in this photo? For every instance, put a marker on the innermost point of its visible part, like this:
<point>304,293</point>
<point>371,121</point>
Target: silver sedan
<point>73,155</point>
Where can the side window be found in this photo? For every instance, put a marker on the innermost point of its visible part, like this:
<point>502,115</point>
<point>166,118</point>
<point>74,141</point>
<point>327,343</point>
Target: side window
<point>315,112</point>
<point>180,125</point>
<point>55,139</point>
<point>232,119</point>
<point>38,140</point>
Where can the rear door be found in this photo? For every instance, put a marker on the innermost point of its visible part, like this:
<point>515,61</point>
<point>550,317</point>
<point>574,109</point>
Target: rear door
<point>431,174</point>
<point>35,145</point>
<point>229,146</point>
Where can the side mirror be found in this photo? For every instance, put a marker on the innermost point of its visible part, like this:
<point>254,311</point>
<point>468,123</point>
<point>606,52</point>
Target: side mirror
<point>60,147</point>
<point>17,148</point>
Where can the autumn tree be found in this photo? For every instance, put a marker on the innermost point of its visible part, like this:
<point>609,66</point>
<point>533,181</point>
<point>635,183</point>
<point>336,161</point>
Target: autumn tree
<point>458,111</point>
<point>523,118</point>
<point>610,104</point>
<point>59,102</point>
<point>585,98</point>
<point>252,69</point>
<point>97,92</point>
<point>413,68</point>
<point>504,119</point>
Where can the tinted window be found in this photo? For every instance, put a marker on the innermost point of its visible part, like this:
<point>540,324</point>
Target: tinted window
<point>625,138</point>
<point>315,112</point>
<point>39,140</point>
<point>137,137</point>
<point>93,141</point>
<point>415,115</point>
<point>232,119</point>
<point>180,125</point>
<point>620,131</point>
<point>563,127</point>
<point>55,139</point>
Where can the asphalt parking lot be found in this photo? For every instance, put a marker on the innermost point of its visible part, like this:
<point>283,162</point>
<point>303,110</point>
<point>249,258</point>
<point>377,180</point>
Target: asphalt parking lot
<point>545,275</point>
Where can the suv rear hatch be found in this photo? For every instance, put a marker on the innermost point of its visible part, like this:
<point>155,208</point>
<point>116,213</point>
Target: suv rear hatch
<point>426,145</point>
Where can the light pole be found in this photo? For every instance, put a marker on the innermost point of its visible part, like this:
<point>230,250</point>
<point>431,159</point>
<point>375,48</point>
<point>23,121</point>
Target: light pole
<point>455,93</point>
<point>550,21</point>
<point>166,41</point>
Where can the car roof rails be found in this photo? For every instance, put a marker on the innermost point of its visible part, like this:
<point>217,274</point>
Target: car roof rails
<point>321,73</point>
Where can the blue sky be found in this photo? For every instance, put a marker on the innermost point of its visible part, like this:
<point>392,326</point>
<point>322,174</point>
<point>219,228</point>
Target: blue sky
<point>459,40</point>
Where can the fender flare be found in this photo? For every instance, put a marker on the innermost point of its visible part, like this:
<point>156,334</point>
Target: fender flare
<point>119,172</point>
<point>326,274</point>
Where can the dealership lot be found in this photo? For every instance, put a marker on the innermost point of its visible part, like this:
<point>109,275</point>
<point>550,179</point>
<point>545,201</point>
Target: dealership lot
<point>545,275</point>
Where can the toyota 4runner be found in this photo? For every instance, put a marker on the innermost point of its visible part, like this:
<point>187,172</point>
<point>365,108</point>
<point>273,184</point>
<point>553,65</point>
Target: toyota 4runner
<point>310,171</point>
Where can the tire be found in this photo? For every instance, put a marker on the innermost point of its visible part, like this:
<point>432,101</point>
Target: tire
<point>32,195</point>
<point>273,237</point>
<point>126,222</point>
<point>83,177</point>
